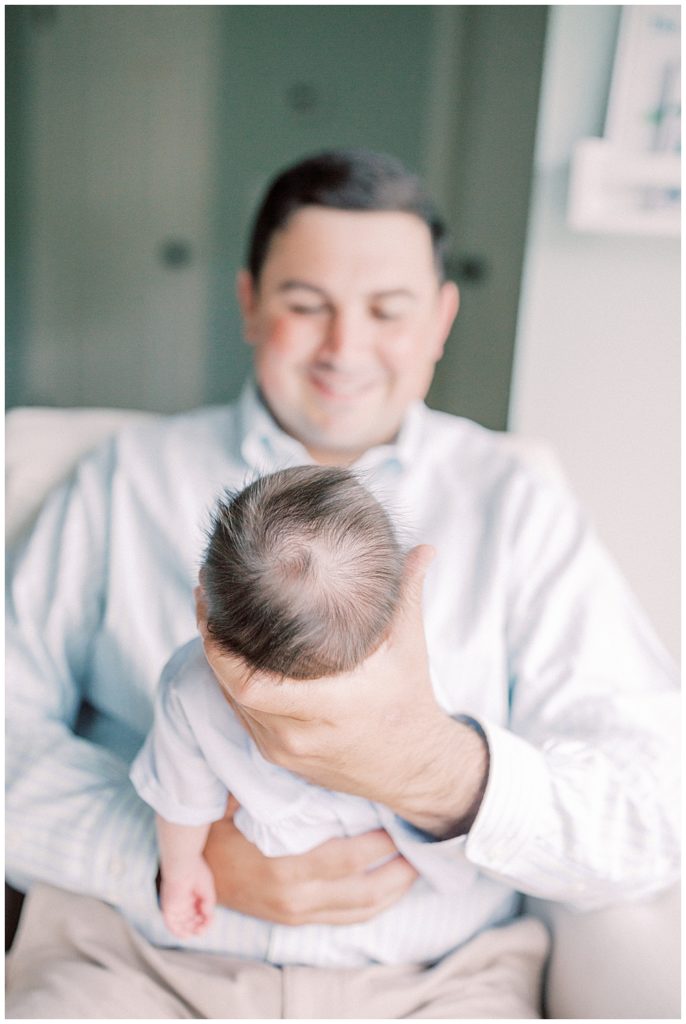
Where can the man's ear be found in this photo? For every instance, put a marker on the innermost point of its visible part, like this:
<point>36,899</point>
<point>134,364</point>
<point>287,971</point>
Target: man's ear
<point>246,293</point>
<point>448,305</point>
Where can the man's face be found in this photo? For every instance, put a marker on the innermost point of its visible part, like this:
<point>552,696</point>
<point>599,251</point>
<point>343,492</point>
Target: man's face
<point>347,321</point>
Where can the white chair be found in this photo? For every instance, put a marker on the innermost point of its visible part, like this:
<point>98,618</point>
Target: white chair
<point>620,963</point>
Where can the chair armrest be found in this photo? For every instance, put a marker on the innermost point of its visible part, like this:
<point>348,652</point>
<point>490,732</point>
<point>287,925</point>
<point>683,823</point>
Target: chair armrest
<point>622,962</point>
<point>42,447</point>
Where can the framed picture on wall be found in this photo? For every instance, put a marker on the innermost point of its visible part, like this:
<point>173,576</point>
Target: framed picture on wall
<point>644,109</point>
<point>629,181</point>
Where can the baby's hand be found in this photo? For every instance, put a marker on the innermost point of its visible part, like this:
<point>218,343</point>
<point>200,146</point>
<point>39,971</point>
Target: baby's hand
<point>188,900</point>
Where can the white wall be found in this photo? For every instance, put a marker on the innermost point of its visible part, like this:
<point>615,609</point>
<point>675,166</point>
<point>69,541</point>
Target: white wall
<point>597,365</point>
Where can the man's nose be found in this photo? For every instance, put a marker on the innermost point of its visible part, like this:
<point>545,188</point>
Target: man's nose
<point>346,334</point>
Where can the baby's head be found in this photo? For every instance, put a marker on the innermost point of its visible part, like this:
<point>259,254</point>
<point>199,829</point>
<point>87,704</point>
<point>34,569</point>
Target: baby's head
<point>302,573</point>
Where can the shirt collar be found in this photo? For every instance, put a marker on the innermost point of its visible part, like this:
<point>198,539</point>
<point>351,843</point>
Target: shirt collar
<point>266,447</point>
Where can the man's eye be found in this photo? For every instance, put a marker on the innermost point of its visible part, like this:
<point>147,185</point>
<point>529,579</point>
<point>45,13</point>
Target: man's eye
<point>386,314</point>
<point>307,310</point>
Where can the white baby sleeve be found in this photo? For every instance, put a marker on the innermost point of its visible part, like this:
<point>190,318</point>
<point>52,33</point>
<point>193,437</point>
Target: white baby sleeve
<point>170,771</point>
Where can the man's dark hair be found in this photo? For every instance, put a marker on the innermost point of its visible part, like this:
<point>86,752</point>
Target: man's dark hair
<point>344,179</point>
<point>302,572</point>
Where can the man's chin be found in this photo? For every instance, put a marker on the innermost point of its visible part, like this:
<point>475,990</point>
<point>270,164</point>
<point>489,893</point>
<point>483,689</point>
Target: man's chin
<point>329,455</point>
<point>328,448</point>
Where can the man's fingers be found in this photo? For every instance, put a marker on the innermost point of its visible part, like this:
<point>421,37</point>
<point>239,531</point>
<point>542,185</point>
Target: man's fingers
<point>416,564</point>
<point>343,881</point>
<point>232,806</point>
<point>408,622</point>
<point>359,897</point>
<point>341,858</point>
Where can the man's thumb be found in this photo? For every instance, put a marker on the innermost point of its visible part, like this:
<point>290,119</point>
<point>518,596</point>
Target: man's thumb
<point>417,562</point>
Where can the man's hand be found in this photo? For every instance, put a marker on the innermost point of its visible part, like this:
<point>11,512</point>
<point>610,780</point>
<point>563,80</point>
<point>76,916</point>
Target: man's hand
<point>336,883</point>
<point>376,732</point>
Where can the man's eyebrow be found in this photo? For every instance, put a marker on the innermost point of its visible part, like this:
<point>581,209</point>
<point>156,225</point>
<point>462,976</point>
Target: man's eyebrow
<point>292,285</point>
<point>390,293</point>
<point>386,293</point>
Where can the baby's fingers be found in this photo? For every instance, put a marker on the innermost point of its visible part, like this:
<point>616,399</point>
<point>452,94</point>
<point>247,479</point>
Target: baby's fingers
<point>181,925</point>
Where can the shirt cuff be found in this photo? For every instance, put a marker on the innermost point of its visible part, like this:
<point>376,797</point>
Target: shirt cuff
<point>513,805</point>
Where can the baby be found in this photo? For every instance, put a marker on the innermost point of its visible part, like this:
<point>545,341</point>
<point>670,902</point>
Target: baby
<point>301,579</point>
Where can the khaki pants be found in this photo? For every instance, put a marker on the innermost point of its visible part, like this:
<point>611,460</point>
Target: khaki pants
<point>75,957</point>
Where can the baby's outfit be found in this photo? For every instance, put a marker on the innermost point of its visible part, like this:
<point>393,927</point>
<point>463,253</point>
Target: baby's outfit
<point>197,752</point>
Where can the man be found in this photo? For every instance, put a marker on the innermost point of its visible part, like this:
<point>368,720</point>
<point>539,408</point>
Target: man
<point>515,725</point>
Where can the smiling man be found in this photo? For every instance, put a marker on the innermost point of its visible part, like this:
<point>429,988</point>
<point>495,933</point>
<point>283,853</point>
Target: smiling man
<point>517,730</point>
<point>343,348</point>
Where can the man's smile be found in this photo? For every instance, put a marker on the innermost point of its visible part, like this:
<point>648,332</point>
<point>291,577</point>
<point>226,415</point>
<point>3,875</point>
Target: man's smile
<point>336,386</point>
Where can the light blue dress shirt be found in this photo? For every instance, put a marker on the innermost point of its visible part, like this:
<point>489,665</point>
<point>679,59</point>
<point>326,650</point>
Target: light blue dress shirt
<point>530,630</point>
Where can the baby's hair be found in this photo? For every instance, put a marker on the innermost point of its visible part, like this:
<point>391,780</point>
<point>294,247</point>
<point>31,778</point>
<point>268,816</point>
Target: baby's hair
<point>302,572</point>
